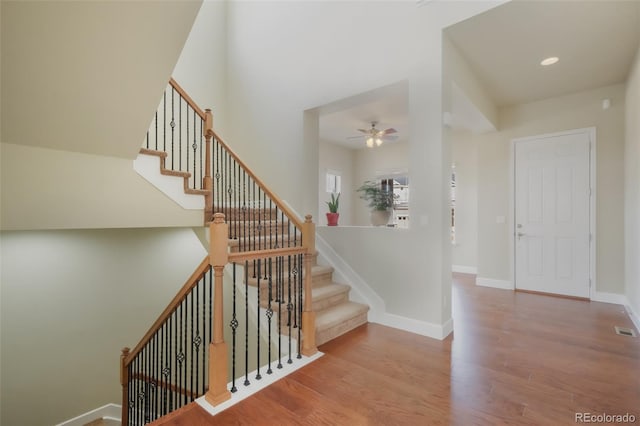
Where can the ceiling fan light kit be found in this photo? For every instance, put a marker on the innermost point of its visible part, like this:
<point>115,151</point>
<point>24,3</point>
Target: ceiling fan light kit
<point>376,137</point>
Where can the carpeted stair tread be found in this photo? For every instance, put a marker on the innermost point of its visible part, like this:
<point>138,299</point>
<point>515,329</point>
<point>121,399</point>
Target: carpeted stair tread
<point>338,314</point>
<point>321,276</point>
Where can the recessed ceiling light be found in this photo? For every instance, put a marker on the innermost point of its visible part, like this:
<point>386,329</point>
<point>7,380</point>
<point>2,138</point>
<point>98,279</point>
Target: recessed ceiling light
<point>549,61</point>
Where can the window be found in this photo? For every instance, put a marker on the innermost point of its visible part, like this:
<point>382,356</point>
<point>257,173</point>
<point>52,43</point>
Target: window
<point>334,182</point>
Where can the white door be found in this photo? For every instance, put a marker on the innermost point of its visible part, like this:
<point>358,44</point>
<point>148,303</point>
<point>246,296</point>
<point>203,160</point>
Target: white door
<point>552,199</point>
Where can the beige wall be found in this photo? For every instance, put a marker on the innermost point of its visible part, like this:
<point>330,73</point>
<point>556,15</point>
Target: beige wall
<point>632,187</point>
<point>70,301</point>
<point>465,157</point>
<point>268,127</point>
<point>49,189</point>
<point>87,76</point>
<point>338,158</point>
<point>574,111</point>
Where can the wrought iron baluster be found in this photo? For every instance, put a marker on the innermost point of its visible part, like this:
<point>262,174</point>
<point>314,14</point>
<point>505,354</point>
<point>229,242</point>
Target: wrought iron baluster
<point>184,354</point>
<point>164,121</point>
<point>270,312</point>
<point>280,277</point>
<point>289,307</point>
<point>243,181</point>
<point>201,155</point>
<point>156,124</point>
<point>191,388</point>
<point>186,139</point>
<point>173,125</point>
<point>300,269</point>
<point>246,323</point>
<point>234,326</point>
<point>258,376</point>
<point>195,147</point>
<point>180,133</point>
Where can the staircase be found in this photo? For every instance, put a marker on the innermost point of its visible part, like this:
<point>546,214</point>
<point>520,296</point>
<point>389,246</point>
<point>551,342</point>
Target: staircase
<point>335,313</point>
<point>184,354</point>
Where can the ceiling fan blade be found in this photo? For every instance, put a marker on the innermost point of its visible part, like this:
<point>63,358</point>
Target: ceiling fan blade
<point>389,131</point>
<point>355,137</point>
<point>364,131</point>
<point>390,138</point>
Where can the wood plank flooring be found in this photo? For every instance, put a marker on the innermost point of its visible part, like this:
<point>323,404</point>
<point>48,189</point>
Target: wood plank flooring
<point>514,359</point>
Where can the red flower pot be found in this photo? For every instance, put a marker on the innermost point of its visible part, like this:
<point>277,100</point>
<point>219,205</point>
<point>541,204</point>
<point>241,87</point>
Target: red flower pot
<point>332,219</point>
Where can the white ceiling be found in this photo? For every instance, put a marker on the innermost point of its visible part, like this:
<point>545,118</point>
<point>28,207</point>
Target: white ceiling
<point>595,40</point>
<point>387,107</point>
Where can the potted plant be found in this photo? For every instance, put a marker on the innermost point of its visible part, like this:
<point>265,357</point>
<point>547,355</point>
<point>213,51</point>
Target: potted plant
<point>332,216</point>
<point>379,200</point>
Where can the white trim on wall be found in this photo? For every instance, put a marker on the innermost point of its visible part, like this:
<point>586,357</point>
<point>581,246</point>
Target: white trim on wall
<point>618,299</point>
<point>600,296</point>
<point>490,282</point>
<point>362,293</point>
<point>423,328</point>
<point>464,269</point>
<point>148,166</point>
<point>591,131</point>
<point>107,412</point>
<point>635,317</point>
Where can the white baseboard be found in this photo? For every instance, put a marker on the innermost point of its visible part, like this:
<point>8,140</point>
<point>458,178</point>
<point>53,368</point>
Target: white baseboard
<point>423,328</point>
<point>490,282</point>
<point>464,269</point>
<point>109,411</point>
<point>635,317</point>
<point>244,392</point>
<point>600,296</point>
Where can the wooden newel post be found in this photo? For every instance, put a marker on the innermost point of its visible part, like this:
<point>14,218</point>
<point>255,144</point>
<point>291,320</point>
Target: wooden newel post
<point>308,316</point>
<point>124,381</point>
<point>207,181</point>
<point>218,258</point>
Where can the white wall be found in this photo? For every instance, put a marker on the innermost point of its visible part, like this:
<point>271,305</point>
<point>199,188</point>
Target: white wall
<point>71,300</point>
<point>465,157</point>
<point>573,111</point>
<point>201,69</point>
<point>285,58</point>
<point>632,188</point>
<point>370,164</point>
<point>459,71</point>
<point>337,158</point>
<point>50,189</point>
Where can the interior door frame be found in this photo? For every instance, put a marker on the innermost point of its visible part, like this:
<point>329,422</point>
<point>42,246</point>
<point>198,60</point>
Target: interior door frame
<point>591,132</point>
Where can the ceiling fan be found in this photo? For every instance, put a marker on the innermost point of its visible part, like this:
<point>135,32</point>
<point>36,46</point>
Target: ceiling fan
<point>375,137</point>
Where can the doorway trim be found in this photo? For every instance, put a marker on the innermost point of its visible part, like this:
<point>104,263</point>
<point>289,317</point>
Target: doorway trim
<point>591,132</point>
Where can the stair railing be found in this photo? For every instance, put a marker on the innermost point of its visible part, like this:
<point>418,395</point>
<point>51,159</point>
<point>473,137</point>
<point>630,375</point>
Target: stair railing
<point>168,368</point>
<point>258,219</point>
<point>184,355</point>
<point>262,243</point>
<point>180,133</point>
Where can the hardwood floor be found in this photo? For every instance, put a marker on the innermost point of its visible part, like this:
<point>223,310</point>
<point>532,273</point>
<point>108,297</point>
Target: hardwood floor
<point>514,359</point>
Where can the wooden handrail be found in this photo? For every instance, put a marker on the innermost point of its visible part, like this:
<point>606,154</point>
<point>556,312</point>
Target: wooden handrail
<point>287,211</point>
<point>263,254</point>
<point>186,288</point>
<point>163,384</point>
<point>187,98</point>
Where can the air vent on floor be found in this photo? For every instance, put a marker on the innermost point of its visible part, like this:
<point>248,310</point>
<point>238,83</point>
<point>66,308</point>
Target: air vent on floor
<point>623,331</point>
